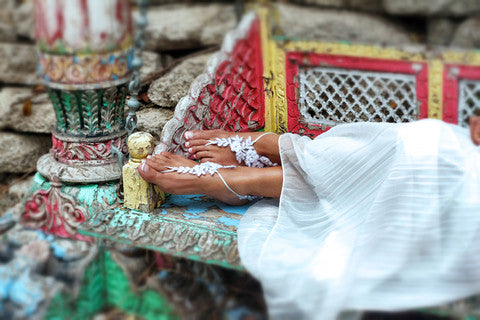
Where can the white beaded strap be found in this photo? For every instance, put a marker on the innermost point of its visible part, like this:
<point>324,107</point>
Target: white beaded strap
<point>244,150</point>
<point>208,168</point>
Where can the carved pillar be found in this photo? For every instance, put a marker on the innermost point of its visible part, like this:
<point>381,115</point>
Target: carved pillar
<point>85,60</point>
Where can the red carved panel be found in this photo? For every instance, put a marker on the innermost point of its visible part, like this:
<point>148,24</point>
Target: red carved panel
<point>235,99</point>
<point>294,60</point>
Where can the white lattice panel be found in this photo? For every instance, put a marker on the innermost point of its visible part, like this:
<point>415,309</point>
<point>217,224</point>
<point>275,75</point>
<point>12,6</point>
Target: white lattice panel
<point>329,96</point>
<point>468,100</point>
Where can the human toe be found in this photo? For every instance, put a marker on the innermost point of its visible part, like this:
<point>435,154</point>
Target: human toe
<point>148,173</point>
<point>196,142</point>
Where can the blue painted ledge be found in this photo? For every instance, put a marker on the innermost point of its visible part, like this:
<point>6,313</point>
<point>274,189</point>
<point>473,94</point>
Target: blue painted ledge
<point>194,227</point>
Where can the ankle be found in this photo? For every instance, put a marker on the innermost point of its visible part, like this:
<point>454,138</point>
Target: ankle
<point>267,146</point>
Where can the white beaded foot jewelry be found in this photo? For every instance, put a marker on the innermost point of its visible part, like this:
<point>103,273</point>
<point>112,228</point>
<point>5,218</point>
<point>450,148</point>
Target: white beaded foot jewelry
<point>208,168</point>
<point>244,150</point>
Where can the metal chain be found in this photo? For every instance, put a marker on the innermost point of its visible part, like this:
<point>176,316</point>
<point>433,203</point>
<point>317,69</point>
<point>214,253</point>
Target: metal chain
<point>134,85</point>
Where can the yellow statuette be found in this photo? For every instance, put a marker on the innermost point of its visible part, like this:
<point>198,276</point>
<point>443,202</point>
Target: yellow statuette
<point>138,193</point>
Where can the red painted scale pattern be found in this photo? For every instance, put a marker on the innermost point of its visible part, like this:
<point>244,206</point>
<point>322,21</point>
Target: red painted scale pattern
<point>236,98</point>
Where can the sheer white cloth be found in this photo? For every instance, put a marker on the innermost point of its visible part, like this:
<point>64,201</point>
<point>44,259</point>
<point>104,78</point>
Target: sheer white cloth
<point>371,217</point>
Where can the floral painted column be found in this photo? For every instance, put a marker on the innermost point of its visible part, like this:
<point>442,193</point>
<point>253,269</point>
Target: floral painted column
<point>85,60</point>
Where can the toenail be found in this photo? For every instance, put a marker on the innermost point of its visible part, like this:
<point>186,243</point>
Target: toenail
<point>190,150</point>
<point>187,144</point>
<point>144,167</point>
<point>188,135</point>
<point>149,156</point>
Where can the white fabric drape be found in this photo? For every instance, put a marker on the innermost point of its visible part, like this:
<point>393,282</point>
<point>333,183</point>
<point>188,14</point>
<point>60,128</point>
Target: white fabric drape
<point>372,216</point>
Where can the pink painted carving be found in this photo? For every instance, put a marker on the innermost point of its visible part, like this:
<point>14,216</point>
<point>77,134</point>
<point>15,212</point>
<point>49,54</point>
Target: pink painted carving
<point>54,212</point>
<point>95,153</point>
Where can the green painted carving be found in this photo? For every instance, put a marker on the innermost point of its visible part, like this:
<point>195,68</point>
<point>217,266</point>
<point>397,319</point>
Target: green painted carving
<point>120,110</point>
<point>147,304</point>
<point>70,105</point>
<point>109,109</point>
<point>58,108</point>
<point>89,112</point>
<point>105,285</point>
<point>91,298</point>
<point>89,106</point>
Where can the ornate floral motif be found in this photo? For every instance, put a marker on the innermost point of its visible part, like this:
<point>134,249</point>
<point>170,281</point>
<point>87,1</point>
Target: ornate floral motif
<point>85,69</point>
<point>87,152</point>
<point>54,212</point>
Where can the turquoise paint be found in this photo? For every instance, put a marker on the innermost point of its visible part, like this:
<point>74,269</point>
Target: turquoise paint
<point>198,204</point>
<point>58,251</point>
<point>198,207</point>
<point>6,281</point>
<point>182,200</point>
<point>229,221</point>
<point>27,293</point>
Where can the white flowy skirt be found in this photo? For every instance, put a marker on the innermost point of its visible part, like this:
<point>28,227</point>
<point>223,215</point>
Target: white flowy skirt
<point>372,216</point>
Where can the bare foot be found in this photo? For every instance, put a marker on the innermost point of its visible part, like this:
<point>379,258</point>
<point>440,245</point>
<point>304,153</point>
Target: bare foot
<point>184,183</point>
<point>197,139</point>
<point>475,129</point>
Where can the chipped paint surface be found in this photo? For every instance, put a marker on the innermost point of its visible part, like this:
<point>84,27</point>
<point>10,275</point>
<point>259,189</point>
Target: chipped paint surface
<point>197,205</point>
<point>191,226</point>
<point>138,193</point>
<point>91,198</point>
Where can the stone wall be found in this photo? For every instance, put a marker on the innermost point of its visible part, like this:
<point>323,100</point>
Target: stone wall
<point>181,36</point>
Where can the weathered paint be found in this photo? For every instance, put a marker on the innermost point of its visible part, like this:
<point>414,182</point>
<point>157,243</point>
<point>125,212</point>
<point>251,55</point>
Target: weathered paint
<point>92,198</point>
<point>83,26</point>
<point>207,234</point>
<point>106,285</point>
<point>138,193</point>
<point>196,205</point>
